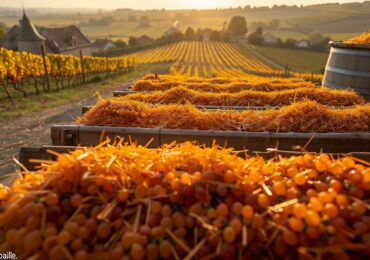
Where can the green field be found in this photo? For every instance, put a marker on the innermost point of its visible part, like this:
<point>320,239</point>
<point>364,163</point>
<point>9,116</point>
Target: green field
<point>298,60</point>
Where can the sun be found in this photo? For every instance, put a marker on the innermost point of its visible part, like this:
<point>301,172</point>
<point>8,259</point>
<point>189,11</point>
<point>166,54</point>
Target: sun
<point>204,4</point>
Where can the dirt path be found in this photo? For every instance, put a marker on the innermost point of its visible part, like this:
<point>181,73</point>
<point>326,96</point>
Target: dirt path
<point>34,129</point>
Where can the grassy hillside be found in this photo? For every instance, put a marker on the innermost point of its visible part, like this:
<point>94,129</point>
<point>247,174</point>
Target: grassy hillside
<point>333,20</point>
<point>336,18</point>
<point>299,60</point>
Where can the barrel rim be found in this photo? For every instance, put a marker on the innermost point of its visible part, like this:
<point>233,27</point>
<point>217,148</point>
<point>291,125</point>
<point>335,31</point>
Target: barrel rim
<point>344,45</point>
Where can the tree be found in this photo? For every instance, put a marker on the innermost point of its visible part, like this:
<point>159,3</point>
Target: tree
<point>315,37</point>
<point>321,45</point>
<point>224,26</point>
<point>106,20</point>
<point>225,36</point>
<point>174,37</point>
<point>120,44</point>
<point>2,31</point>
<point>190,34</point>
<point>237,26</point>
<point>215,36</point>
<point>259,31</point>
<point>256,37</point>
<point>274,24</point>
<point>279,43</point>
<point>179,16</point>
<point>290,43</point>
<point>132,41</point>
<point>144,19</point>
<point>199,34</point>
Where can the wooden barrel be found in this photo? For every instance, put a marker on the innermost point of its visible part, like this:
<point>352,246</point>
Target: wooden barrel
<point>348,66</point>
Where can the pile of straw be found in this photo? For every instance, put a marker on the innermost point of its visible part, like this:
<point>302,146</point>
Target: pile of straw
<point>360,39</point>
<point>305,116</point>
<point>232,87</point>
<point>183,95</point>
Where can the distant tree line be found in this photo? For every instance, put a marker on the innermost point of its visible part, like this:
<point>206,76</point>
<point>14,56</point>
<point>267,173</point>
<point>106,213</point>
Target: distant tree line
<point>104,21</point>
<point>315,41</point>
<point>2,31</point>
<point>235,30</point>
<point>274,24</point>
<point>143,20</point>
<point>236,27</point>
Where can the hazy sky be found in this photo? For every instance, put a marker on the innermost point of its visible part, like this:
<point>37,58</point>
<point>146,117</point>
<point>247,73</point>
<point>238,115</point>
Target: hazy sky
<point>149,4</point>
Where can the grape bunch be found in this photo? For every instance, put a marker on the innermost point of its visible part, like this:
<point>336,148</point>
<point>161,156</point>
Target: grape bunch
<point>187,202</point>
<point>20,65</point>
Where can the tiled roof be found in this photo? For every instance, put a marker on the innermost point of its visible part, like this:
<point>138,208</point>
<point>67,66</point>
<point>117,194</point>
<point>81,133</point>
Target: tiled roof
<point>57,39</point>
<point>10,39</point>
<point>28,32</point>
<point>64,37</point>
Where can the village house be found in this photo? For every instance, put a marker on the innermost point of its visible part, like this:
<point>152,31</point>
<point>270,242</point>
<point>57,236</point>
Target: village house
<point>144,40</point>
<point>243,39</point>
<point>302,44</point>
<point>62,40</point>
<point>101,45</point>
<point>269,38</point>
<point>172,30</point>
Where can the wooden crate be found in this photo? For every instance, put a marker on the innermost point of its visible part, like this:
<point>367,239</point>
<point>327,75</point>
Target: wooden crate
<point>213,108</point>
<point>73,135</point>
<point>41,153</point>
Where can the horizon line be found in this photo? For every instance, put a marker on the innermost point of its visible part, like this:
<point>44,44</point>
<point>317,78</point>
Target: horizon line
<point>177,9</point>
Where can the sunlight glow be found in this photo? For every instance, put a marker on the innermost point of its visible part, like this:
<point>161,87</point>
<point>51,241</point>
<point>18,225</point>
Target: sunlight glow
<point>157,4</point>
<point>205,4</point>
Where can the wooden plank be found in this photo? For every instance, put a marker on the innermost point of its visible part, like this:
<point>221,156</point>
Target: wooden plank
<point>120,93</point>
<point>260,141</point>
<point>212,108</point>
<point>255,141</point>
<point>40,153</point>
<point>92,135</point>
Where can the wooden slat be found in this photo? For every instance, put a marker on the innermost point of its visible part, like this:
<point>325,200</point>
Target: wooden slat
<point>72,135</point>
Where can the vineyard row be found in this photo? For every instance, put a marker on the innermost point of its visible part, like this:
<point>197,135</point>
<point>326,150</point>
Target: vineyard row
<point>19,69</point>
<point>214,59</point>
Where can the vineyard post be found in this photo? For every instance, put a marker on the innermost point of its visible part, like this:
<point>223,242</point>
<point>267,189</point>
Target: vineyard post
<point>106,67</point>
<point>6,89</point>
<point>118,66</point>
<point>286,70</point>
<point>35,85</point>
<point>45,66</point>
<point>82,67</point>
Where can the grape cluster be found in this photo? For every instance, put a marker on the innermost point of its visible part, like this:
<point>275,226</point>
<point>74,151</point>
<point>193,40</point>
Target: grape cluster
<point>18,65</point>
<point>185,202</point>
